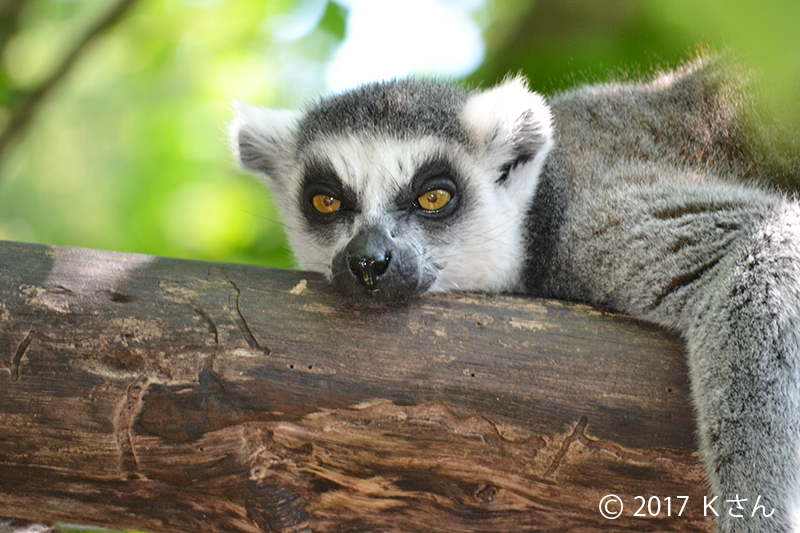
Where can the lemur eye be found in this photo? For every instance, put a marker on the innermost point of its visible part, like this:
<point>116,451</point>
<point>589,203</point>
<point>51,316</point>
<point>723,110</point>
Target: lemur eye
<point>326,204</point>
<point>434,200</point>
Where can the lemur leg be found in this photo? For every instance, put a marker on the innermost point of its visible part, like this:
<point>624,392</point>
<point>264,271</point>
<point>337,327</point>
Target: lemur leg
<point>720,264</point>
<point>743,340</point>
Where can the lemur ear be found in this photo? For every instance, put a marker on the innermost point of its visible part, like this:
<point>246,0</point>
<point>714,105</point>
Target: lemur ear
<point>510,122</point>
<point>263,139</point>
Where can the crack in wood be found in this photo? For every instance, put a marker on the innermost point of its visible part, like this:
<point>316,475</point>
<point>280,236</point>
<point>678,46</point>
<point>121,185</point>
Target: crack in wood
<point>241,322</point>
<point>124,421</point>
<point>623,453</point>
<point>210,323</point>
<point>221,313</point>
<point>22,348</point>
<point>59,289</point>
<point>579,435</point>
<point>17,360</point>
<point>576,434</point>
<point>208,364</point>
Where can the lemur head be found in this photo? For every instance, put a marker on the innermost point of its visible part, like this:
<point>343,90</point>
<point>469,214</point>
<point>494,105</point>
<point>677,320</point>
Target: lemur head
<point>400,188</point>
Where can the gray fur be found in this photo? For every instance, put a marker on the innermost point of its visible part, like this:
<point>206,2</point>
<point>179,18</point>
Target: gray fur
<point>652,203</point>
<point>400,108</point>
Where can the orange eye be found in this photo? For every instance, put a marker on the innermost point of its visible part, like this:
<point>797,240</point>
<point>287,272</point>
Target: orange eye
<point>326,204</point>
<point>434,200</point>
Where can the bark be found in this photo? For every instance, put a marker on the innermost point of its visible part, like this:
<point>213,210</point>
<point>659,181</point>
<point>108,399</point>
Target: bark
<point>166,395</point>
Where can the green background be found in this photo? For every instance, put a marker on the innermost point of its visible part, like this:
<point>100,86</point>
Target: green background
<point>128,151</point>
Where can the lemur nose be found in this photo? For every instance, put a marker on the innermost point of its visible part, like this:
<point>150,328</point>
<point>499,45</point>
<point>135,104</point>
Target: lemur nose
<point>369,255</point>
<point>368,269</point>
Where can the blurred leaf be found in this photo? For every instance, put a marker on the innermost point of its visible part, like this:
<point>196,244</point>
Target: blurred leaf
<point>334,21</point>
<point>561,43</point>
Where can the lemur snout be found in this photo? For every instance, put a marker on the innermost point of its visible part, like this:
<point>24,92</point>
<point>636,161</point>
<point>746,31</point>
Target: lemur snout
<point>368,269</point>
<point>369,255</point>
<point>378,267</point>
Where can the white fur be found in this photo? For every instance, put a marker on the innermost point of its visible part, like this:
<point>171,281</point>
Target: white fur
<point>489,251</point>
<point>492,114</point>
<point>487,254</point>
<point>502,119</point>
<point>274,131</point>
<point>495,117</point>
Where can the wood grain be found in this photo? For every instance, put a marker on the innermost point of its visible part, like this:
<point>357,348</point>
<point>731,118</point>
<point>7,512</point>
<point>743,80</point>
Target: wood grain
<point>168,396</point>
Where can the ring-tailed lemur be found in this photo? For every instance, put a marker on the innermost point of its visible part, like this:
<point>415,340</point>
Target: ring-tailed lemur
<point>641,197</point>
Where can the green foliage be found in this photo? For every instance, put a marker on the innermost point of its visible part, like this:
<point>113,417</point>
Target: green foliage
<point>560,43</point>
<point>129,151</point>
<point>334,21</point>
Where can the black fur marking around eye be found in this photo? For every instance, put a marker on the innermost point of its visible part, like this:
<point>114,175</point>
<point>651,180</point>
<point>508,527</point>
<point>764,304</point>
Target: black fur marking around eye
<point>320,178</point>
<point>430,173</point>
<point>437,173</point>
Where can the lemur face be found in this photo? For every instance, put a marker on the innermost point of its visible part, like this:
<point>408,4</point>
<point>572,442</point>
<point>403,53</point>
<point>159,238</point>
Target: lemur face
<point>398,189</point>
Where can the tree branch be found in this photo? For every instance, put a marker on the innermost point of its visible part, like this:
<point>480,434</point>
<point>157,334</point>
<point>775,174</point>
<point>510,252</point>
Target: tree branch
<point>23,113</point>
<point>165,395</point>
<point>10,11</point>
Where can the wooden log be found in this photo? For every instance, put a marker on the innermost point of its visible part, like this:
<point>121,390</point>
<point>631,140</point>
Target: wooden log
<point>166,395</point>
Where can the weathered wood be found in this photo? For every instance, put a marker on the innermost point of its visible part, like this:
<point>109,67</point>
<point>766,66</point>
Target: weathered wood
<point>168,395</point>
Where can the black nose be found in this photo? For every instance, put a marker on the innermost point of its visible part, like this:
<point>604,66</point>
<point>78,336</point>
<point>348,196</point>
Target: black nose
<point>369,269</point>
<point>369,255</point>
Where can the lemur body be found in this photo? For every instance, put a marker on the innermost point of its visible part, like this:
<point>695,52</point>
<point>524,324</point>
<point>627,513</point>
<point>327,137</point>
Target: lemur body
<point>643,198</point>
